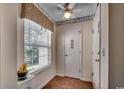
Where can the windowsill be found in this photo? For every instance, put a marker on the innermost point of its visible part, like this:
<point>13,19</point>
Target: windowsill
<point>36,71</point>
<point>32,75</point>
<point>19,83</point>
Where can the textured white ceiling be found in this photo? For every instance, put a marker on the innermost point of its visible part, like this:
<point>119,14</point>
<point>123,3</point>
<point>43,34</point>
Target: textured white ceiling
<point>86,9</point>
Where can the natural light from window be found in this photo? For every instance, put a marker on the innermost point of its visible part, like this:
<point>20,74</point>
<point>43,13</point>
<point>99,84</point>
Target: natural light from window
<point>37,46</point>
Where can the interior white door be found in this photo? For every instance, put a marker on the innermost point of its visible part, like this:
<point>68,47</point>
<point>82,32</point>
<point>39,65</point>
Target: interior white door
<point>72,53</point>
<point>96,48</point>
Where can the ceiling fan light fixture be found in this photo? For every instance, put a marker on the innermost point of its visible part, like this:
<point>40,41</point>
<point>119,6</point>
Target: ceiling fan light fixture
<point>67,15</point>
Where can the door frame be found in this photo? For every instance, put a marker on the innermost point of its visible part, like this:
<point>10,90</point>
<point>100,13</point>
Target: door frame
<point>99,30</point>
<point>79,28</point>
<point>104,27</point>
<point>104,8</point>
<point>100,48</point>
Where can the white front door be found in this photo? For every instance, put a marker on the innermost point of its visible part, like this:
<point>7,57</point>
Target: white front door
<point>72,53</point>
<point>96,48</point>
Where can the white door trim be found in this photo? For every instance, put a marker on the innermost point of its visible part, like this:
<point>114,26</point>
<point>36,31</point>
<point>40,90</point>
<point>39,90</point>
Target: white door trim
<point>97,48</point>
<point>79,28</point>
<point>104,65</point>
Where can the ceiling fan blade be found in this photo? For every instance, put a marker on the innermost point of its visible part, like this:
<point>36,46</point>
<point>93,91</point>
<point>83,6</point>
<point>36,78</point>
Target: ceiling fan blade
<point>71,5</point>
<point>76,10</point>
<point>58,13</point>
<point>61,6</point>
<point>72,16</point>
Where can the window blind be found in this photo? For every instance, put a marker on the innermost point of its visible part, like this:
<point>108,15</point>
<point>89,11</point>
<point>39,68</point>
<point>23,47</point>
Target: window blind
<point>37,45</point>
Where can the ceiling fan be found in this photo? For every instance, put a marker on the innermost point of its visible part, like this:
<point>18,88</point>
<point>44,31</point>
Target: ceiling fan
<point>67,10</point>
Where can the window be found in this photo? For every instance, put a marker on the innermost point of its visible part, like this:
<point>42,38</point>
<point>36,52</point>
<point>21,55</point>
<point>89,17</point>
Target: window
<point>37,45</point>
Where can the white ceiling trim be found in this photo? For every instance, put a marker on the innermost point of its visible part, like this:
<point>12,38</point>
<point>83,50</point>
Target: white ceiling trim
<point>75,20</point>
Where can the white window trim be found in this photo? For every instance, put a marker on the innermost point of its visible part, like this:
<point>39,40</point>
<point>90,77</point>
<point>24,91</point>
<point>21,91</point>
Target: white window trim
<point>40,69</point>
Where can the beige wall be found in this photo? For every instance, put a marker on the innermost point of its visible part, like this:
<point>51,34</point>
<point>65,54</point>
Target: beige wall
<point>42,77</point>
<point>86,28</point>
<point>116,45</point>
<point>8,45</point>
<point>87,51</point>
<point>0,37</point>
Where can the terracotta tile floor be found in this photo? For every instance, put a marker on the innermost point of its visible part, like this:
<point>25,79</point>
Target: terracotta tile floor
<point>67,83</point>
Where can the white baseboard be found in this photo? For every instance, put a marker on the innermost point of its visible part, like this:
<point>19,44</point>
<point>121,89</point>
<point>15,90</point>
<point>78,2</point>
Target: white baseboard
<point>94,85</point>
<point>45,82</point>
<point>62,75</point>
<point>86,79</point>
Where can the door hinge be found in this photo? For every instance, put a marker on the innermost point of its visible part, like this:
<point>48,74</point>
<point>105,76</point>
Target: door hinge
<point>92,31</point>
<point>99,26</point>
<point>79,32</point>
<point>92,74</point>
<point>79,70</point>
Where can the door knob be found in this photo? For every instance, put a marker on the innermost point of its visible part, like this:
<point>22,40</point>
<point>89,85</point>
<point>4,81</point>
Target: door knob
<point>66,55</point>
<point>98,53</point>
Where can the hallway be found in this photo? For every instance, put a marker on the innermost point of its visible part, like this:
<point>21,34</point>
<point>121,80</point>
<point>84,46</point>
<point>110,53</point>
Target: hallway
<point>43,50</point>
<point>59,82</point>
